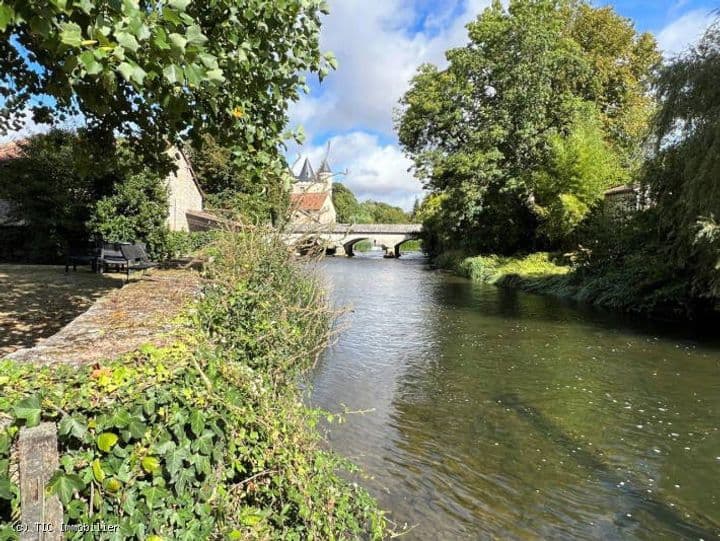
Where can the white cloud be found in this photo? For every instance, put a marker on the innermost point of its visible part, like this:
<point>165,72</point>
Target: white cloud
<point>378,55</point>
<point>374,171</point>
<point>676,37</point>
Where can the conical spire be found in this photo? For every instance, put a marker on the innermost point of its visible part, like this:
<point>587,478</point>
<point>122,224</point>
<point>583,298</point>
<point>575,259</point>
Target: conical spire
<point>306,174</point>
<point>325,167</point>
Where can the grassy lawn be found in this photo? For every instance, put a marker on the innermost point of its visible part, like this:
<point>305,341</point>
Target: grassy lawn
<point>36,301</point>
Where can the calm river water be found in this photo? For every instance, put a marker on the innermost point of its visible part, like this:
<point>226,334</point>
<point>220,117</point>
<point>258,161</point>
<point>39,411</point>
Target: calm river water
<point>499,415</point>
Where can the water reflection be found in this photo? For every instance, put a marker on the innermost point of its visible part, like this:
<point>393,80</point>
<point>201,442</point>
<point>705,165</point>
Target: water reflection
<point>500,414</point>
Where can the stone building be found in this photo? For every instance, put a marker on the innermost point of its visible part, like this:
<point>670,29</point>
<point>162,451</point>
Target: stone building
<point>185,196</point>
<point>311,196</point>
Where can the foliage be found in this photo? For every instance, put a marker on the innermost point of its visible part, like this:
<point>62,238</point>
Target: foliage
<point>580,168</point>
<point>184,244</point>
<point>498,270</point>
<point>206,438</point>
<point>156,69</point>
<point>135,212</point>
<point>480,130</point>
<point>346,204</point>
<point>349,210</point>
<point>257,196</point>
<point>53,186</point>
<point>684,177</point>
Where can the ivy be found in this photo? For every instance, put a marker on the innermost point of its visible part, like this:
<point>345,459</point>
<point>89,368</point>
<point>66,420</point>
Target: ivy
<point>207,436</point>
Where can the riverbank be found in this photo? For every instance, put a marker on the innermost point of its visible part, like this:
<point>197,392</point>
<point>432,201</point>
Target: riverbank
<point>631,289</point>
<point>205,437</point>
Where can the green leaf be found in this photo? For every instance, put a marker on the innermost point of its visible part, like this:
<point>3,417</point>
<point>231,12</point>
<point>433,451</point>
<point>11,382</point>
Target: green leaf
<point>154,496</point>
<point>197,422</point>
<point>92,66</point>
<point>6,489</point>
<point>178,41</point>
<point>137,428</point>
<point>71,426</point>
<point>98,471</point>
<point>71,34</point>
<point>215,75</point>
<point>65,485</point>
<point>7,14</point>
<point>106,441</point>
<point>127,41</point>
<point>194,74</point>
<point>29,410</point>
<point>150,464</point>
<point>85,5</point>
<point>251,517</point>
<point>173,74</point>
<point>194,35</point>
<point>180,5</point>
<point>174,461</point>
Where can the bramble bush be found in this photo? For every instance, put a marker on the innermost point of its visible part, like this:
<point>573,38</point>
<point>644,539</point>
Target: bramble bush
<point>206,438</point>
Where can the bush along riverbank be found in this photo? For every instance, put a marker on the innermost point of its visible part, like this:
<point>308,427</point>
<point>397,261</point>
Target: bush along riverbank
<point>638,283</point>
<point>206,438</point>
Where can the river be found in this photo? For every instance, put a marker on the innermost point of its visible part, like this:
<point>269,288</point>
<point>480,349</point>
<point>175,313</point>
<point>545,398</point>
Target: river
<point>493,414</point>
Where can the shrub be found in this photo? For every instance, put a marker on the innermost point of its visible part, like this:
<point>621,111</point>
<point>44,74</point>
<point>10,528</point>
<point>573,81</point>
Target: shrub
<point>206,438</point>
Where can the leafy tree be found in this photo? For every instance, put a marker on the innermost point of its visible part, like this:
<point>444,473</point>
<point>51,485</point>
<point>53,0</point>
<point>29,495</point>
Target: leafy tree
<point>349,210</point>
<point>581,166</point>
<point>346,204</point>
<point>480,129</point>
<point>382,213</point>
<point>233,188</point>
<point>684,177</point>
<point>136,211</point>
<point>153,70</point>
<point>52,188</point>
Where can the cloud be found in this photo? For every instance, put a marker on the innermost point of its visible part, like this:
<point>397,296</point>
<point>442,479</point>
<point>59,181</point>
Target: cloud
<point>379,45</point>
<point>679,35</point>
<point>374,171</point>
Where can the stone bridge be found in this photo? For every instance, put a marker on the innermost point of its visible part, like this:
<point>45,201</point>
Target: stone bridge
<point>341,238</point>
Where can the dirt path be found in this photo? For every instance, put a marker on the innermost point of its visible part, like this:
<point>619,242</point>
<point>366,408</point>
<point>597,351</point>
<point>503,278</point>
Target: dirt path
<point>139,313</point>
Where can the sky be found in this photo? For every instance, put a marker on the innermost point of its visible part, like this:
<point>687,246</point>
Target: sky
<point>379,45</point>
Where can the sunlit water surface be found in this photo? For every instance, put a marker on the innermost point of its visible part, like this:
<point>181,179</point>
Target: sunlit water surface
<point>496,414</point>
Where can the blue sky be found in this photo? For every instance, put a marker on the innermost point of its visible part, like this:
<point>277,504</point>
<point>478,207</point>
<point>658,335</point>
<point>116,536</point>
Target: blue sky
<point>380,43</point>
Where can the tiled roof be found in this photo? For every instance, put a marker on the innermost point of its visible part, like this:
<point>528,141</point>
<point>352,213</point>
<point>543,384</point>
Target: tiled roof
<point>308,201</point>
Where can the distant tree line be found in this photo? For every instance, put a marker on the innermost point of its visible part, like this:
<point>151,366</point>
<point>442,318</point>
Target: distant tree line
<point>350,210</point>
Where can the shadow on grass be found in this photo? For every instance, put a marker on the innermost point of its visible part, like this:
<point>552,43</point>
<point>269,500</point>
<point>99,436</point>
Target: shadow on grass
<point>37,301</point>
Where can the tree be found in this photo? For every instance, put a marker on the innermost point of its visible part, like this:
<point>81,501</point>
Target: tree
<point>136,211</point>
<point>233,188</point>
<point>581,166</point>
<point>479,130</point>
<point>684,177</point>
<point>349,210</point>
<point>53,188</point>
<point>154,70</point>
<point>346,205</point>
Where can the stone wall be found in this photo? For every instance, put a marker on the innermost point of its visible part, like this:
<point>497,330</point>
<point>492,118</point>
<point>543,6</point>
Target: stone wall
<point>183,193</point>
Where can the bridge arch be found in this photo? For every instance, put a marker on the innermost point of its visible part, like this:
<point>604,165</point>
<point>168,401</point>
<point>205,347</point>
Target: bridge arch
<point>349,245</point>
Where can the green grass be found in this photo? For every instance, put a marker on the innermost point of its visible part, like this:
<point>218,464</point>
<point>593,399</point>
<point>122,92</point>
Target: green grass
<point>500,270</point>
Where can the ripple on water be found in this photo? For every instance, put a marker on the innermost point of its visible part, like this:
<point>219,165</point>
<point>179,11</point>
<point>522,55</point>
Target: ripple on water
<point>500,414</point>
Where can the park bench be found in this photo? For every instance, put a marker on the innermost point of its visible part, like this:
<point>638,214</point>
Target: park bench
<point>82,254</point>
<point>136,258</point>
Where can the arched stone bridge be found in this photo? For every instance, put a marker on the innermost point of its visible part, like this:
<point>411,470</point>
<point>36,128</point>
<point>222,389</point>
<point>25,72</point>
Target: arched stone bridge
<point>341,238</point>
